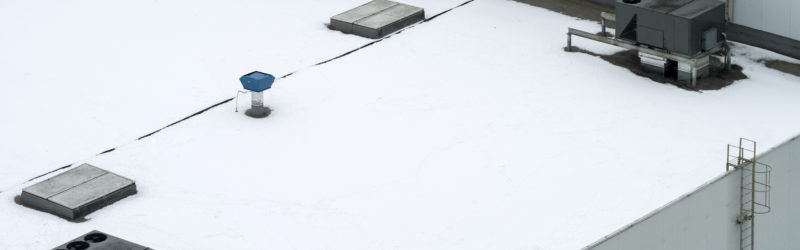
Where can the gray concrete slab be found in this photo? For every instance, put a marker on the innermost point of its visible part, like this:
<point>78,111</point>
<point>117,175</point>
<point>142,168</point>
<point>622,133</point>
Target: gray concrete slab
<point>78,192</point>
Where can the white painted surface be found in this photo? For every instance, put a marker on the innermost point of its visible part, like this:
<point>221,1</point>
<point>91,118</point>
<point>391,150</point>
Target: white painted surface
<point>779,228</point>
<point>774,16</point>
<point>472,131</point>
<point>705,219</point>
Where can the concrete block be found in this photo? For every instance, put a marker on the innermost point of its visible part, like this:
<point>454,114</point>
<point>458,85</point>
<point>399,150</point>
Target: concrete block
<point>377,18</point>
<point>78,192</point>
<point>96,240</point>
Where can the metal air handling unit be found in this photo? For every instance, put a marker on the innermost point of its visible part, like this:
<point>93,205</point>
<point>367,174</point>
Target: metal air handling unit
<point>377,18</point>
<point>669,35</point>
<point>96,240</point>
<point>78,192</point>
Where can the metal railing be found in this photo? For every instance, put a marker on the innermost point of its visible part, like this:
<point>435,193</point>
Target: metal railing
<point>754,189</point>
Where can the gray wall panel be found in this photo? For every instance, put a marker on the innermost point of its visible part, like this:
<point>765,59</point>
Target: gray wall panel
<point>779,229</point>
<point>775,16</point>
<point>796,27</point>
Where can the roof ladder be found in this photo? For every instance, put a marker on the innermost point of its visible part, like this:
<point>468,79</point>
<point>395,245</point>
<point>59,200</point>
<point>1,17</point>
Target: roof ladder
<point>754,188</point>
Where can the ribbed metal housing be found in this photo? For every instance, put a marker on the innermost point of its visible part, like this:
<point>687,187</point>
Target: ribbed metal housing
<point>678,26</point>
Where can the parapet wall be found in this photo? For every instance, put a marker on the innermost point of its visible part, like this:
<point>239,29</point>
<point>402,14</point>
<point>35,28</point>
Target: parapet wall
<point>706,217</point>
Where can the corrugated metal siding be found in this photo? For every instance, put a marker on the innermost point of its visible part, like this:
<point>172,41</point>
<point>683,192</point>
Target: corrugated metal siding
<point>775,16</point>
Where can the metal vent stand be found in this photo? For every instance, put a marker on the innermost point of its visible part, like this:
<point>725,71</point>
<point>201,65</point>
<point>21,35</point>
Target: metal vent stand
<point>256,82</point>
<point>78,192</point>
<point>377,18</point>
<point>96,240</point>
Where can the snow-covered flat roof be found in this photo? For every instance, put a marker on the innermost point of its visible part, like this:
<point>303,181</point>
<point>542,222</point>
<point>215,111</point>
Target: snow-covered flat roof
<point>475,130</point>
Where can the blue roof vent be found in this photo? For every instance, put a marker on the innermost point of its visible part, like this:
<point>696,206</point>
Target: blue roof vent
<point>257,81</point>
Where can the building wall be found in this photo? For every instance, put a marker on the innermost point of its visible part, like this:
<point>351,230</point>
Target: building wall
<point>769,24</point>
<point>763,39</point>
<point>703,219</point>
<point>706,217</point>
<point>780,228</point>
<point>779,17</point>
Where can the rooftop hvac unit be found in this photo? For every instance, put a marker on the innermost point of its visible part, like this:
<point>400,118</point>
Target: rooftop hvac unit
<point>682,27</point>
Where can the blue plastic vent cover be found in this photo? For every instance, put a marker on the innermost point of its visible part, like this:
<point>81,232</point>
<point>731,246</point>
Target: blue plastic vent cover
<point>257,81</point>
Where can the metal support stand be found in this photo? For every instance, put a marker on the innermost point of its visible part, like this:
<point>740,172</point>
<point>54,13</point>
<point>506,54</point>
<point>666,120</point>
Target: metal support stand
<point>692,63</point>
<point>606,16</point>
<point>569,41</point>
<point>727,57</point>
<point>727,50</point>
<point>236,108</point>
<point>257,100</point>
<point>603,24</point>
